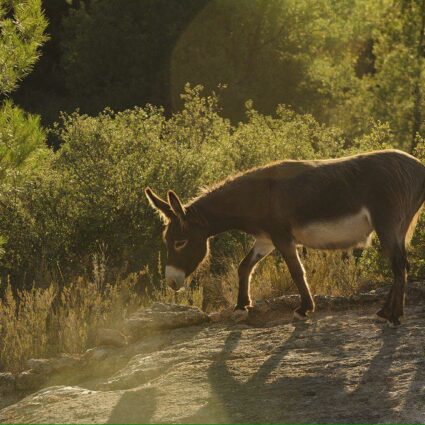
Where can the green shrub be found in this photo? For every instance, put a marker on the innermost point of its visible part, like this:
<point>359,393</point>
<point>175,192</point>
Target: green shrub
<point>88,196</point>
<point>91,193</point>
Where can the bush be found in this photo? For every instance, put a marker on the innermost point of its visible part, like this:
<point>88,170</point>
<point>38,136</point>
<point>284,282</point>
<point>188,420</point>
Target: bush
<point>91,192</point>
<point>73,220</point>
<point>88,197</point>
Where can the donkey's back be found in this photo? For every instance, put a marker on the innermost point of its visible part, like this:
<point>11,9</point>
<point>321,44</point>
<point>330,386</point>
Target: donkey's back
<point>379,181</point>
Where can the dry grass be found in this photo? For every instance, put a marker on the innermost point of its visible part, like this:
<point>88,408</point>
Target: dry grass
<point>328,273</point>
<point>24,325</point>
<point>43,322</point>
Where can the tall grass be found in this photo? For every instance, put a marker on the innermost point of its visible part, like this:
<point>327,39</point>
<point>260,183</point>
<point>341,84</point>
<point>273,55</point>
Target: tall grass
<point>42,322</point>
<point>24,325</point>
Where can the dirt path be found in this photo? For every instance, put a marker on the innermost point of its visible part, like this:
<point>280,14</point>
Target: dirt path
<point>340,367</point>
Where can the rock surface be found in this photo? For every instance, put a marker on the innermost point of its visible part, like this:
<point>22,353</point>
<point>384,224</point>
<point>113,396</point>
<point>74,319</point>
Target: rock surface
<point>164,316</point>
<point>111,337</point>
<point>7,383</point>
<point>54,365</point>
<point>104,358</point>
<point>338,367</point>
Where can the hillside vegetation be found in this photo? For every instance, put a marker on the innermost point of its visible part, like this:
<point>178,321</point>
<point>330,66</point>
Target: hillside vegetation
<point>79,246</point>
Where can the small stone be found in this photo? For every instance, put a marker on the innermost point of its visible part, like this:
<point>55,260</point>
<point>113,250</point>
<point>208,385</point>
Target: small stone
<point>53,365</point>
<point>97,354</point>
<point>29,380</point>
<point>239,316</point>
<point>260,307</point>
<point>65,362</point>
<point>215,316</point>
<point>111,337</point>
<point>7,383</point>
<point>43,366</point>
<point>162,316</point>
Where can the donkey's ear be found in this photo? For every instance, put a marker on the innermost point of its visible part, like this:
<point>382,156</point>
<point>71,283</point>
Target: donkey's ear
<point>159,204</point>
<point>176,206</point>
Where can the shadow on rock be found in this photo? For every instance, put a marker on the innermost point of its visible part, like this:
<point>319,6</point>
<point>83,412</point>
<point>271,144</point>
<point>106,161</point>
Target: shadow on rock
<point>259,399</point>
<point>373,393</point>
<point>134,407</point>
<point>278,394</point>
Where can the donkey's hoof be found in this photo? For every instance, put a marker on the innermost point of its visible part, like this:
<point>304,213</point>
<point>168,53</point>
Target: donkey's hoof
<point>384,316</point>
<point>299,315</point>
<point>240,315</point>
<point>242,307</point>
<point>394,322</point>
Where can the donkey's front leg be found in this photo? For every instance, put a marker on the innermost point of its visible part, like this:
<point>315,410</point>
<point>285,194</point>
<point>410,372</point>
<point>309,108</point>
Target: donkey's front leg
<point>261,248</point>
<point>289,252</point>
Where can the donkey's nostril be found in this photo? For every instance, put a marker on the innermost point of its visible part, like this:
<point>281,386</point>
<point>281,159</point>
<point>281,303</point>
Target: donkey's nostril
<point>172,285</point>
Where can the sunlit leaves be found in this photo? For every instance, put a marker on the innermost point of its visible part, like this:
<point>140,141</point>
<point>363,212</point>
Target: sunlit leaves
<point>22,27</point>
<point>22,140</point>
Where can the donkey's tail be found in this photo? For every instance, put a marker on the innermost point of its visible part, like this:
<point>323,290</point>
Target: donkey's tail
<point>414,222</point>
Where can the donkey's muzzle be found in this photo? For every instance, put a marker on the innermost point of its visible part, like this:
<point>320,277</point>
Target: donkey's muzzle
<point>175,277</point>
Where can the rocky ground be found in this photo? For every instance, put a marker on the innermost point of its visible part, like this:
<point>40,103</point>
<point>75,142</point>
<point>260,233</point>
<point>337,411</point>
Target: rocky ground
<point>340,366</point>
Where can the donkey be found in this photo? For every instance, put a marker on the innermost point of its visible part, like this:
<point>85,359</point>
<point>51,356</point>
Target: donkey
<point>322,204</point>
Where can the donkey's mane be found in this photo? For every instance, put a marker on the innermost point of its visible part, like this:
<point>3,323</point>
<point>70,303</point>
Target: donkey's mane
<point>227,183</point>
<point>238,178</point>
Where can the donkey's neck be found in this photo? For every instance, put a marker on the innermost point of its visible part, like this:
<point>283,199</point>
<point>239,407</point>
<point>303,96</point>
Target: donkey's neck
<point>229,207</point>
<point>213,221</point>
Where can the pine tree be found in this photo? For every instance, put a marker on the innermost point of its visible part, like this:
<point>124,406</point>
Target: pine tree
<point>22,26</point>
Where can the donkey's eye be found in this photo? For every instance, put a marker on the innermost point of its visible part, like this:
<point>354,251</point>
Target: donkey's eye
<point>178,245</point>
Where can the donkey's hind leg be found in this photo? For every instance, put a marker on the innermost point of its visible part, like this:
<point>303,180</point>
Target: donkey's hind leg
<point>289,252</point>
<point>393,307</point>
<point>261,248</point>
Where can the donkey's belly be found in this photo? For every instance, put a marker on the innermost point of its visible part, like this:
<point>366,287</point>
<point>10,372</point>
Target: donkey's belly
<point>342,233</point>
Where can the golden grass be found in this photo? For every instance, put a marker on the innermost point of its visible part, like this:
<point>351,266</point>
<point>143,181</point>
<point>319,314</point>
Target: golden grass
<point>328,273</point>
<point>43,322</point>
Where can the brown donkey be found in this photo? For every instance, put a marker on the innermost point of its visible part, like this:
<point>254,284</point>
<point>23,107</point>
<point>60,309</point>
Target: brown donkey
<point>324,204</point>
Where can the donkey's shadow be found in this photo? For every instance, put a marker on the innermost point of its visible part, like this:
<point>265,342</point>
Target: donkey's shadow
<point>316,398</point>
<point>320,397</point>
<point>257,400</point>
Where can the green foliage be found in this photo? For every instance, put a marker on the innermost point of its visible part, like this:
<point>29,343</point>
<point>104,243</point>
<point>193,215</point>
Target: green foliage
<point>22,26</point>
<point>394,92</point>
<point>88,197</point>
<point>286,135</point>
<point>22,140</point>
<point>90,194</point>
<point>348,63</point>
<point>250,45</point>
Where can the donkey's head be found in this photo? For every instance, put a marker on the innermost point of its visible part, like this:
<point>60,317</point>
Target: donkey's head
<point>186,240</point>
